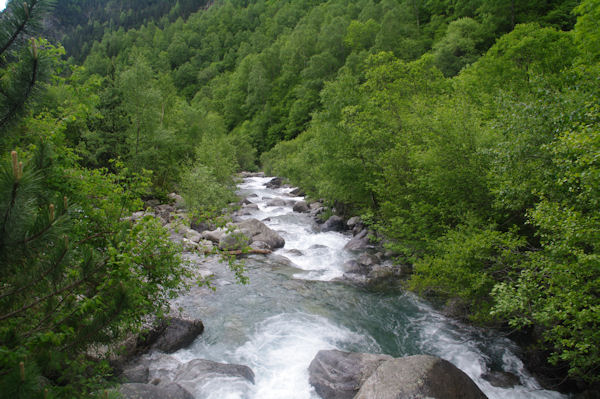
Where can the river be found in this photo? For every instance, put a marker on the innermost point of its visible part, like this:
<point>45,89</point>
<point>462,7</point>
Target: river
<point>293,307</point>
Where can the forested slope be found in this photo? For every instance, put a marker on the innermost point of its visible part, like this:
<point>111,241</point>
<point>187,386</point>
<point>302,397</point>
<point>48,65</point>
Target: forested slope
<point>466,132</point>
<point>78,23</point>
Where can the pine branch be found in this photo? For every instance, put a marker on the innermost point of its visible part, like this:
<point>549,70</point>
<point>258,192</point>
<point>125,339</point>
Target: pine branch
<point>19,29</point>
<point>38,279</point>
<point>28,89</point>
<point>40,300</point>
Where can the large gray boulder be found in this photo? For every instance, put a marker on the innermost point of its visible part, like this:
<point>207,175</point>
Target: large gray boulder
<point>334,223</point>
<point>359,242</point>
<point>275,182</point>
<point>148,391</point>
<point>301,207</point>
<point>338,375</point>
<point>200,369</point>
<point>258,231</point>
<point>420,376</point>
<point>176,333</point>
<point>214,235</point>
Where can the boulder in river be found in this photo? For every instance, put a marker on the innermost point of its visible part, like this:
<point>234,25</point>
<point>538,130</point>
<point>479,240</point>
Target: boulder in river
<point>301,207</point>
<point>353,222</point>
<point>298,192</point>
<point>420,376</point>
<point>338,375</point>
<point>334,223</point>
<point>175,333</point>
<point>251,207</point>
<point>359,242</point>
<point>258,231</point>
<point>275,182</point>
<point>149,391</point>
<point>199,369</point>
<point>345,375</point>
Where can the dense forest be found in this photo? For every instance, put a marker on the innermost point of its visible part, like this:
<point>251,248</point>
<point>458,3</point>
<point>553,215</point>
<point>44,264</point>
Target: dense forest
<point>467,133</point>
<point>78,23</point>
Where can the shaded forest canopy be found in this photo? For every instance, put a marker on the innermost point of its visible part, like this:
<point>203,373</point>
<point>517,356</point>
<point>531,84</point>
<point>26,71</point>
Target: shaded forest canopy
<point>466,132</point>
<point>78,23</point>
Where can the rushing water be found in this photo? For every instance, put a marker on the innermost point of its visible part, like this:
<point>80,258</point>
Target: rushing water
<point>292,308</point>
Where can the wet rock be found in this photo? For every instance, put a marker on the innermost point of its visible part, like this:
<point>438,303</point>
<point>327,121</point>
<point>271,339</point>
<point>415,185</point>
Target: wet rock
<point>258,231</point>
<point>352,266</point>
<point>199,369</point>
<point>353,221</point>
<point>136,373</point>
<point>301,207</point>
<point>367,260</point>
<point>359,242</point>
<point>276,202</point>
<point>419,376</point>
<point>317,246</point>
<point>260,245</point>
<point>246,201</point>
<point>501,379</point>
<point>338,375</point>
<point>251,207</point>
<point>384,271</point>
<point>334,223</point>
<point>148,391</point>
<point>298,192</point>
<point>175,333</point>
<point>275,182</point>
<point>315,205</point>
<point>295,252</point>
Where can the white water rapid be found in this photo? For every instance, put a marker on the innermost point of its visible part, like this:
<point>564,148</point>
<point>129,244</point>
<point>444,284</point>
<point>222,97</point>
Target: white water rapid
<point>293,307</point>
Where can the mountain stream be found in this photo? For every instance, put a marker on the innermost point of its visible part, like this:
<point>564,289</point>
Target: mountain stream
<point>293,306</point>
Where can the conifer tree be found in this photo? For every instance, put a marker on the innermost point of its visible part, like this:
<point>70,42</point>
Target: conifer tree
<point>22,63</point>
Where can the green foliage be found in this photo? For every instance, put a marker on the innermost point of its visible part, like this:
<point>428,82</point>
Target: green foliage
<point>467,263</point>
<point>459,47</point>
<point>587,28</point>
<point>25,64</point>
<point>558,286</point>
<point>486,182</point>
<point>75,273</point>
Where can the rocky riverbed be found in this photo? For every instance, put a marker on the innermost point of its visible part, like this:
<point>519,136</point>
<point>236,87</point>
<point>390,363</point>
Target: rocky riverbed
<point>307,314</point>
